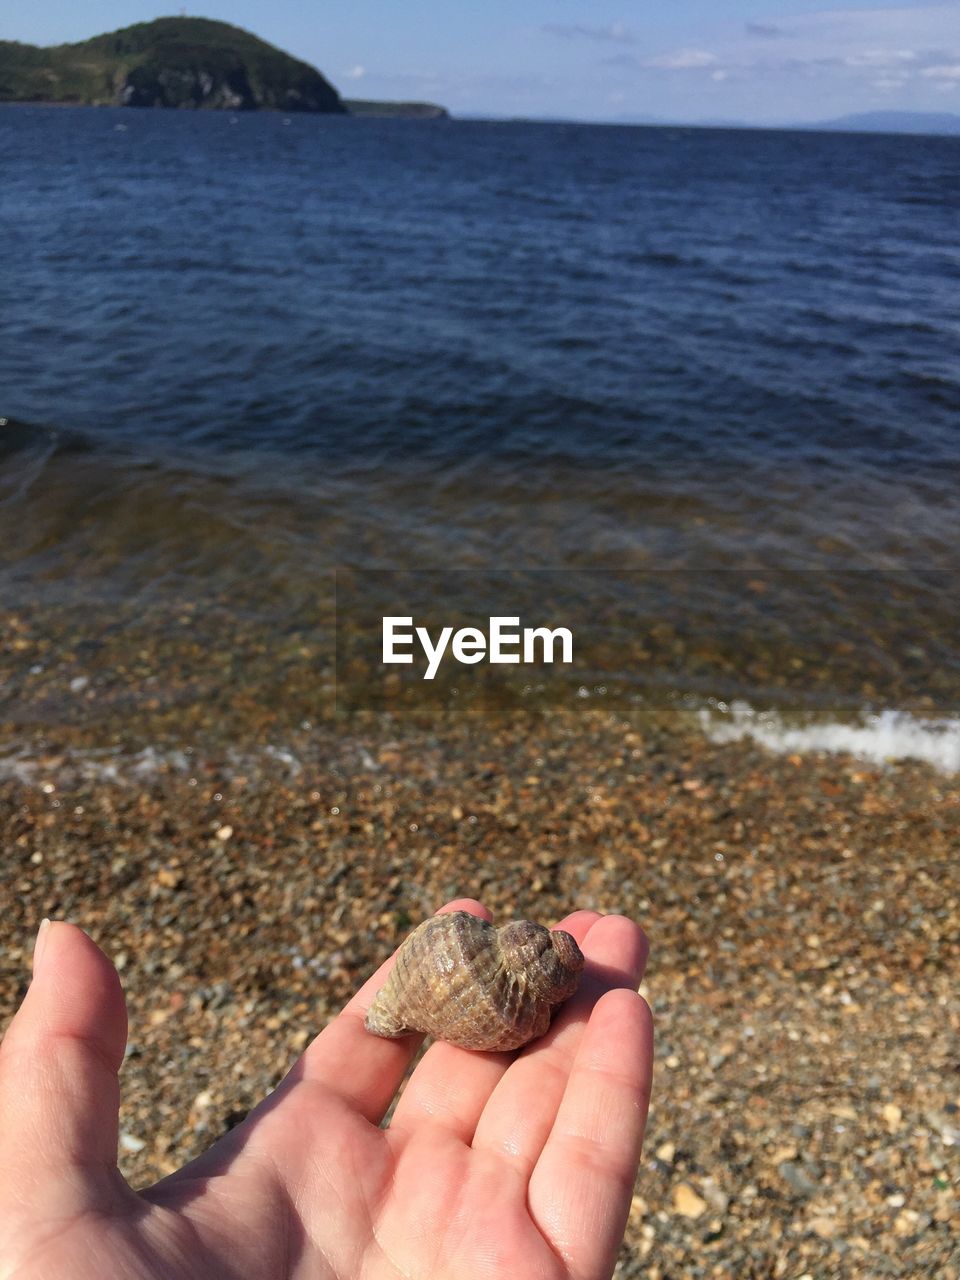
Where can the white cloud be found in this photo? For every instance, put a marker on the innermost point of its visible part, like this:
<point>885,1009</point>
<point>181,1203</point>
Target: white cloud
<point>682,60</point>
<point>798,65</point>
<point>861,48</point>
<point>880,57</point>
<point>355,73</point>
<point>616,31</point>
<point>866,39</point>
<point>876,26</point>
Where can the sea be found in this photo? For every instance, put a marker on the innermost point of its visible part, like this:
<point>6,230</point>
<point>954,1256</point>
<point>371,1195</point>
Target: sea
<point>692,393</point>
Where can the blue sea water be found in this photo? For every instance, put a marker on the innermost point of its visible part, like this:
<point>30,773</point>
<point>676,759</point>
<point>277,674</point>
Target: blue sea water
<point>239,351</point>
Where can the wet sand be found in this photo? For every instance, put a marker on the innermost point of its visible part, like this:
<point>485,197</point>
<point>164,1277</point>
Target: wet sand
<point>804,917</point>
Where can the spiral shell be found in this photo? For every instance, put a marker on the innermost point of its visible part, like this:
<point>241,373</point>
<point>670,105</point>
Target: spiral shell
<point>458,978</point>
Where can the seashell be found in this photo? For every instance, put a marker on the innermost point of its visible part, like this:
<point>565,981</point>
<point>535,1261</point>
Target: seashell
<point>462,980</point>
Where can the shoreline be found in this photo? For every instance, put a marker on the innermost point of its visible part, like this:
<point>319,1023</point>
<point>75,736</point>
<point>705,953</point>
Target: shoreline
<point>82,755</point>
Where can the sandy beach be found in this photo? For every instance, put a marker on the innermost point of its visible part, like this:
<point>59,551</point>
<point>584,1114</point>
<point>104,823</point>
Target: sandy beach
<point>804,917</point>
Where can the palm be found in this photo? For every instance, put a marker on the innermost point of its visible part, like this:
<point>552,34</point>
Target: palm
<point>492,1165</point>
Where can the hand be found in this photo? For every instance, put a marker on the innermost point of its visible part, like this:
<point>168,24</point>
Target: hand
<point>494,1166</point>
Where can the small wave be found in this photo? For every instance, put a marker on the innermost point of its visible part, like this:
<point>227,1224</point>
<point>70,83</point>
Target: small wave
<point>663,258</point>
<point>883,738</point>
<point>93,765</point>
<point>66,770</point>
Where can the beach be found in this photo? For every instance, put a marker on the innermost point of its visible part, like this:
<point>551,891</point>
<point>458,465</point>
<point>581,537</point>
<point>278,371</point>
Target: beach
<point>803,914</point>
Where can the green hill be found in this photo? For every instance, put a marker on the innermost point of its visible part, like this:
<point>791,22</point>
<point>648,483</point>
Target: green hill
<point>172,62</point>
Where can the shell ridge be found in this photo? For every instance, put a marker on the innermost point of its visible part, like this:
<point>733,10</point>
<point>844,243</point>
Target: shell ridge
<point>458,978</point>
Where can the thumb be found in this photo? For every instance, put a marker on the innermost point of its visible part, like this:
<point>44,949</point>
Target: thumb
<point>59,1093</point>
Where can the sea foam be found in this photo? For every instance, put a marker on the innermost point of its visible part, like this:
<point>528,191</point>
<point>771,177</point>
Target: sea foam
<point>883,737</point>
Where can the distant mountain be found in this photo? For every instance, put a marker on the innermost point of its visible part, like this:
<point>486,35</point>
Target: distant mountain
<point>937,122</point>
<point>915,122</point>
<point>641,119</point>
<point>395,110</point>
<point>172,62</point>
<point>906,122</point>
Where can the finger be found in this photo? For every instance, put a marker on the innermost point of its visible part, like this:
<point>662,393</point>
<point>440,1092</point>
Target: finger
<point>520,1113</point>
<point>364,1069</point>
<point>59,1093</point>
<point>451,1086</point>
<point>580,1190</point>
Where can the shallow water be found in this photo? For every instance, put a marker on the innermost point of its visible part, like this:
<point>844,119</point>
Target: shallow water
<point>240,353</point>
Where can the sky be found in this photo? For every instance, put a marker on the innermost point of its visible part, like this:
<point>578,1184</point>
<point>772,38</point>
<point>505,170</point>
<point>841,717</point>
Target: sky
<point>756,61</point>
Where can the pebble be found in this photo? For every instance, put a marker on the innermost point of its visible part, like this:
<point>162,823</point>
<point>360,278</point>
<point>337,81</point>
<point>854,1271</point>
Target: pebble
<point>686,1201</point>
<point>715,1196</point>
<point>892,1117</point>
<point>799,1182</point>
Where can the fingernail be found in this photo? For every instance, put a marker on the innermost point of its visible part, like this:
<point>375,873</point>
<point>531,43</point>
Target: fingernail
<point>41,942</point>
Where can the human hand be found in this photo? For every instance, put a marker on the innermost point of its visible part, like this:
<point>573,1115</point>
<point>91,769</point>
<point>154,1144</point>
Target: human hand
<point>494,1166</point>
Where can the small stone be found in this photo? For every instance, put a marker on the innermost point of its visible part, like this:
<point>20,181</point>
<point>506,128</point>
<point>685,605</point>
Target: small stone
<point>844,1112</point>
<point>224,833</point>
<point>666,1152</point>
<point>892,1117</point>
<point>687,1203</point>
<point>715,1196</point>
<point>905,1223</point>
<point>797,1179</point>
<point>129,1143</point>
<point>638,1208</point>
